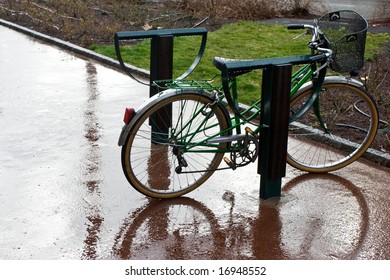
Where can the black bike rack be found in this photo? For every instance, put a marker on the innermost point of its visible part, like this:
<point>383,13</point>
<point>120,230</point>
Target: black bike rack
<point>161,65</point>
<point>275,105</point>
<point>161,51</point>
<point>274,116</point>
<point>275,95</point>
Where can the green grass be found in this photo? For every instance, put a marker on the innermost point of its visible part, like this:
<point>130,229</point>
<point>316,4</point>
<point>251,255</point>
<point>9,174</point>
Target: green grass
<point>241,40</point>
<point>374,42</point>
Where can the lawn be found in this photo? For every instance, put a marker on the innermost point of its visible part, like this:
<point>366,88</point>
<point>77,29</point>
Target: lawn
<point>240,40</point>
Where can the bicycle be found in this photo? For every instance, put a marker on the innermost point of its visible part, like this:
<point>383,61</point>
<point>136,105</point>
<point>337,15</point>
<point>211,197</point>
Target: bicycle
<point>176,140</point>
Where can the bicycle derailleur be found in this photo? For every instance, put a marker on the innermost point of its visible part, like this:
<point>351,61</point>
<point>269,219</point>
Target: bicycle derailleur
<point>180,158</point>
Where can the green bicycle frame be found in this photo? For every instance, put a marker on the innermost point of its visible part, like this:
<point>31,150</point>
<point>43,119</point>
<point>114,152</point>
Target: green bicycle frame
<point>184,138</point>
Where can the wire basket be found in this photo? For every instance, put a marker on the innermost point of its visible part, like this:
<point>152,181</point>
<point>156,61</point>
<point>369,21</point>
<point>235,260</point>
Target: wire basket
<point>346,32</point>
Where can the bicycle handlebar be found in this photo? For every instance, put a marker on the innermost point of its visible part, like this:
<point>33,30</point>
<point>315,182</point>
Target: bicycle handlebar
<point>317,38</point>
<point>295,26</point>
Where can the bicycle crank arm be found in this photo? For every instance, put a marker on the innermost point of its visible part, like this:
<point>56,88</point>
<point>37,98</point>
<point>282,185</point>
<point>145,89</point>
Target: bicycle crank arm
<point>242,153</point>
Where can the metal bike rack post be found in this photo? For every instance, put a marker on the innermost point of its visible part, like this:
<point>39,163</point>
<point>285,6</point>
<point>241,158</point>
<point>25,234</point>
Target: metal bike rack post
<point>161,60</point>
<point>161,68</point>
<point>275,106</point>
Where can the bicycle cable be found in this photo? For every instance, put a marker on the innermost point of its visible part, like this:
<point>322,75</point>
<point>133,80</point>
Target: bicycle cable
<point>365,114</point>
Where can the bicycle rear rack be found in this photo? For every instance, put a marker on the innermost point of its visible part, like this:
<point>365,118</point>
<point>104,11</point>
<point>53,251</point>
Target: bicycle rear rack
<point>184,84</point>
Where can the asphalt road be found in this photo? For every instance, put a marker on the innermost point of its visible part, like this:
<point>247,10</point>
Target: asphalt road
<point>370,9</point>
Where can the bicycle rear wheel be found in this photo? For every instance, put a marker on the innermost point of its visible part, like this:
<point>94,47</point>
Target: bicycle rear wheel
<point>335,131</point>
<point>165,157</point>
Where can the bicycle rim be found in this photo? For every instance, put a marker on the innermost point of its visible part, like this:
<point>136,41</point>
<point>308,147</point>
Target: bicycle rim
<point>158,146</point>
<point>337,133</point>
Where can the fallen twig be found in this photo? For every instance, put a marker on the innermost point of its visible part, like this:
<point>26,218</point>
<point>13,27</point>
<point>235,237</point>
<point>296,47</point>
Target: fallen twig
<point>163,16</point>
<point>42,7</point>
<point>54,12</point>
<point>201,22</point>
<point>103,12</point>
<point>21,13</point>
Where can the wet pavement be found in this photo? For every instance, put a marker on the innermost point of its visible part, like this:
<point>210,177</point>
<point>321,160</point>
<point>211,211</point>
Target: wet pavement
<point>63,194</point>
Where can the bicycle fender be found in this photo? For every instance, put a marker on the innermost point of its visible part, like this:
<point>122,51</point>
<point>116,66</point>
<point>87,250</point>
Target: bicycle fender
<point>126,129</point>
<point>123,135</point>
<point>334,80</point>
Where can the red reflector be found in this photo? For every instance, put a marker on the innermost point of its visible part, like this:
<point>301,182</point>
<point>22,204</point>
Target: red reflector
<point>129,114</point>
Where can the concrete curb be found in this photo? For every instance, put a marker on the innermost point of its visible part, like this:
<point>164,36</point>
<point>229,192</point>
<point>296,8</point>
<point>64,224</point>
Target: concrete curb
<point>378,157</point>
<point>73,48</point>
<point>371,154</point>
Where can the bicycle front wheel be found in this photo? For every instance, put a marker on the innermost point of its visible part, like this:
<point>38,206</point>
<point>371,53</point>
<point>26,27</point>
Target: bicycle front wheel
<point>335,131</point>
<point>166,153</point>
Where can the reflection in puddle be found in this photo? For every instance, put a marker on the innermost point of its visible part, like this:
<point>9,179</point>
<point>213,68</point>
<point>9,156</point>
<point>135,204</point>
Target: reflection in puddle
<point>92,163</point>
<point>266,238</point>
<point>170,229</point>
<point>159,180</point>
<point>325,217</point>
<point>319,217</point>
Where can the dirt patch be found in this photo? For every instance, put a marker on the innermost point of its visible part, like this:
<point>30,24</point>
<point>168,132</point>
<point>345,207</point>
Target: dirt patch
<point>94,22</point>
<point>376,77</point>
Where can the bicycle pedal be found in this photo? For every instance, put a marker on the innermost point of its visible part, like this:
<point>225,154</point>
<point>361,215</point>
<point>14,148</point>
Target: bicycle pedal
<point>231,164</point>
<point>250,131</point>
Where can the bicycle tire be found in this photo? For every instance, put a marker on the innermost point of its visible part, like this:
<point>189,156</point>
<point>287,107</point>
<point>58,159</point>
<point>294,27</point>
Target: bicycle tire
<point>347,134</point>
<point>151,157</point>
